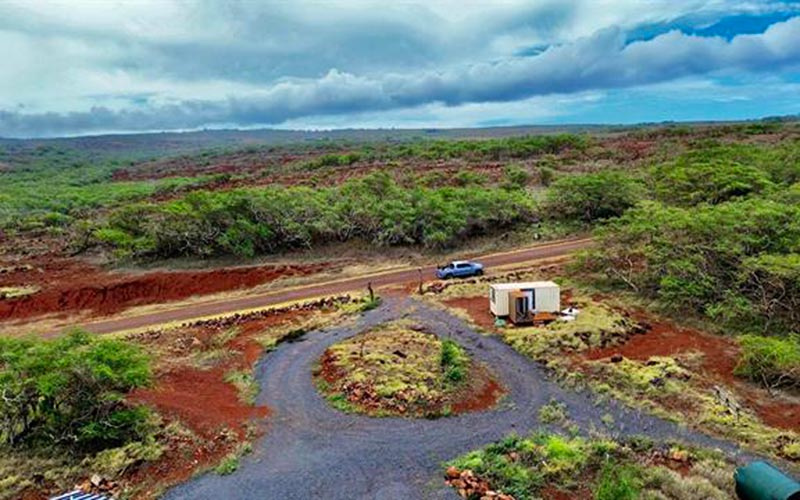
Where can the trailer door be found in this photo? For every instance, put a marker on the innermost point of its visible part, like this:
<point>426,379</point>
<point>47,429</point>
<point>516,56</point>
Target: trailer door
<point>530,293</point>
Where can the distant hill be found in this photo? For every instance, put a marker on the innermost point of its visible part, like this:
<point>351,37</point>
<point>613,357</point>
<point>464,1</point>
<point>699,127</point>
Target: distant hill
<point>158,144</point>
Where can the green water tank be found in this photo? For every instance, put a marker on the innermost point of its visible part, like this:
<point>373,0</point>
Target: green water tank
<point>763,481</point>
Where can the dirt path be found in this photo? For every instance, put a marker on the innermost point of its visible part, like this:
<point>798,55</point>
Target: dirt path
<point>313,451</point>
<point>551,250</point>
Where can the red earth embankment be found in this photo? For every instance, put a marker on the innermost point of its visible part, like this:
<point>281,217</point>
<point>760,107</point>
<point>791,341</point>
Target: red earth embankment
<point>91,290</point>
<point>202,400</point>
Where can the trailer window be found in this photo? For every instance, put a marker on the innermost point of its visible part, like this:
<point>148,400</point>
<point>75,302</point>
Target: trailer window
<point>491,294</point>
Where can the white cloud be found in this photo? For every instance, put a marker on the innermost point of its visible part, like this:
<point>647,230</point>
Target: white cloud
<point>86,66</point>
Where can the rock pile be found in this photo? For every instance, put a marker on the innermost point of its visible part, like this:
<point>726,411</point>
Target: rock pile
<point>99,485</point>
<point>239,318</point>
<point>236,319</point>
<point>470,486</point>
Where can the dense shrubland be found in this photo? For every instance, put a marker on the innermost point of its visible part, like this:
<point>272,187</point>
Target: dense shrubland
<point>590,197</point>
<point>375,208</point>
<point>69,393</point>
<point>55,188</point>
<point>720,239</point>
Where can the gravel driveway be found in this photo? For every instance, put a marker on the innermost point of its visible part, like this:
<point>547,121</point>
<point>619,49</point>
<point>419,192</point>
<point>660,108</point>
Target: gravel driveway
<point>311,450</point>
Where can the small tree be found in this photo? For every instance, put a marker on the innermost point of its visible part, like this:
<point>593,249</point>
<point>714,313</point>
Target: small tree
<point>589,197</point>
<point>515,177</point>
<point>71,391</point>
<point>773,362</point>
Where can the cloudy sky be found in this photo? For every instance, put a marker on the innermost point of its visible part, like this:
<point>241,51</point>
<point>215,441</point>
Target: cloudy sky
<point>85,67</point>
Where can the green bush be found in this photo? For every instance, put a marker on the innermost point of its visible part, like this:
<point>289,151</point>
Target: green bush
<point>466,178</point>
<point>589,197</point>
<point>553,412</point>
<point>546,175</point>
<point>712,181</point>
<point>515,177</point>
<point>453,361</point>
<point>229,465</point>
<point>618,482</point>
<point>770,361</point>
<point>71,392</point>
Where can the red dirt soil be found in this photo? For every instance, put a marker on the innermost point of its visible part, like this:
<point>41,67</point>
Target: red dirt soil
<point>483,399</point>
<point>720,354</point>
<point>203,402</point>
<point>477,308</point>
<point>720,357</point>
<point>81,287</point>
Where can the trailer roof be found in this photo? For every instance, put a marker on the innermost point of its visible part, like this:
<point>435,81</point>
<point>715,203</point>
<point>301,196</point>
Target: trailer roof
<point>527,284</point>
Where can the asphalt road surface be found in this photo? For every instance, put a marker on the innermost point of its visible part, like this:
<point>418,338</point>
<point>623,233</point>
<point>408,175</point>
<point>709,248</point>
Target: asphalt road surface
<point>312,451</point>
<point>188,312</point>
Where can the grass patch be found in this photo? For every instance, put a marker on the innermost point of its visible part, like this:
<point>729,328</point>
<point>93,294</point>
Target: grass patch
<point>368,304</point>
<point>770,361</point>
<point>595,326</point>
<point>16,292</point>
<point>618,482</point>
<point>231,462</point>
<point>527,467</point>
<point>454,361</point>
<point>245,384</point>
<point>665,387</point>
<point>395,369</point>
<point>553,412</point>
<point>229,465</point>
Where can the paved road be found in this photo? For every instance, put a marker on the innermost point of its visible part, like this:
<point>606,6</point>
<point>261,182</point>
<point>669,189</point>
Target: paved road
<point>200,310</point>
<point>312,451</point>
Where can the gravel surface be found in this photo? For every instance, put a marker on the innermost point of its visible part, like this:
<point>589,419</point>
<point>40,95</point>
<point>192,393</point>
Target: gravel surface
<point>311,450</point>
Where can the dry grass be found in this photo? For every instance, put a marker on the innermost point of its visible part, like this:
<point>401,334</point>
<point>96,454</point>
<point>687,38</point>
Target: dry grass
<point>394,369</point>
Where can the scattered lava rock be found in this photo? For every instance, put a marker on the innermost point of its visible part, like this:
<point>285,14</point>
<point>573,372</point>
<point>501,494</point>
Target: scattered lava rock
<point>238,318</point>
<point>469,486</point>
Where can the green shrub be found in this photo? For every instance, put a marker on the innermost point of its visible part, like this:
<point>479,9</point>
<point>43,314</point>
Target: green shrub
<point>71,392</point>
<point>454,361</point>
<point>770,361</point>
<point>553,412</point>
<point>228,466</point>
<point>618,482</point>
<point>515,177</point>
<point>546,175</point>
<point>589,197</point>
<point>466,178</point>
<point>369,304</point>
<point>713,181</point>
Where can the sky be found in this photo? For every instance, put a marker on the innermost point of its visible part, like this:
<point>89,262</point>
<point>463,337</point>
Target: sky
<point>78,67</point>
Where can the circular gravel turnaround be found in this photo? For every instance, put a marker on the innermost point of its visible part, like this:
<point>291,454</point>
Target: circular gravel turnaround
<point>311,450</point>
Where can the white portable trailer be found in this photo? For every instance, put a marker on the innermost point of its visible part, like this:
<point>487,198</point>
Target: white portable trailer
<point>543,296</point>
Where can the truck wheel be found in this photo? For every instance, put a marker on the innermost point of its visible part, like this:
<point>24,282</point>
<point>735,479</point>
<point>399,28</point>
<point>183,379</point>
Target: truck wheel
<point>479,273</point>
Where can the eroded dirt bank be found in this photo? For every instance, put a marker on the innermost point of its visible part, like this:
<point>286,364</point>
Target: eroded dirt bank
<point>84,288</point>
